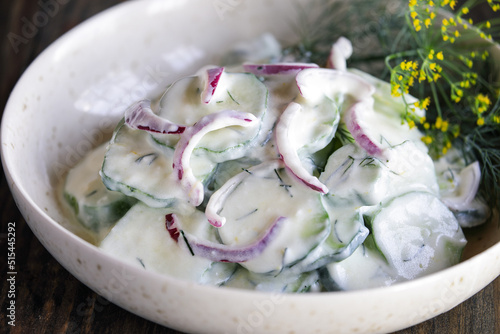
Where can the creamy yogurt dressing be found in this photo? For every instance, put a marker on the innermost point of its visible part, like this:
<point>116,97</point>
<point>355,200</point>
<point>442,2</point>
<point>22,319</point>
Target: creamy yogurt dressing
<point>375,219</point>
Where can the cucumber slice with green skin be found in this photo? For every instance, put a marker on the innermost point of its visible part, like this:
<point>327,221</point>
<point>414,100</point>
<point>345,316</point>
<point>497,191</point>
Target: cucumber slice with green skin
<point>95,207</point>
<point>255,200</point>
<point>141,238</point>
<point>417,234</point>
<point>356,178</point>
<point>348,232</point>
<point>140,167</point>
<point>228,169</point>
<point>285,282</point>
<point>364,269</point>
<point>182,104</point>
<point>411,236</point>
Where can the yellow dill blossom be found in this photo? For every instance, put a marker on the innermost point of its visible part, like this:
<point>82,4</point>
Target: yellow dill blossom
<point>482,102</point>
<point>427,139</point>
<point>439,55</point>
<point>480,121</point>
<point>427,125</point>
<point>395,90</point>
<point>411,81</point>
<point>488,24</point>
<point>432,66</point>
<point>416,25</point>
<point>411,124</point>
<point>444,126</point>
<point>496,119</point>
<point>445,22</point>
<point>427,22</point>
<point>425,103</point>
<point>484,99</point>
<point>422,120</point>
<point>439,123</point>
<point>412,3</point>
<point>465,10</point>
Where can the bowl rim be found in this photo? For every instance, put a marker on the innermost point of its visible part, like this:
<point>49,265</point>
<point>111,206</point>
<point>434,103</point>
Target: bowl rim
<point>16,185</point>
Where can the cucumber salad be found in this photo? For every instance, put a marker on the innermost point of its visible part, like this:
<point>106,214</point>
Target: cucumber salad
<point>276,175</point>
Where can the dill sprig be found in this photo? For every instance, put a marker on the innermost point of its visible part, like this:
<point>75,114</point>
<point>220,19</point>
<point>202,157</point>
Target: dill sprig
<point>432,50</point>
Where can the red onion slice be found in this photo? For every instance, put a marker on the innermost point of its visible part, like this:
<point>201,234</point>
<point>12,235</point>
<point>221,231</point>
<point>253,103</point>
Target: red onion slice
<point>464,194</point>
<point>360,135</point>
<point>172,228</point>
<point>339,53</point>
<point>219,252</point>
<point>277,68</point>
<point>140,116</point>
<point>192,136</point>
<point>289,153</point>
<point>212,78</point>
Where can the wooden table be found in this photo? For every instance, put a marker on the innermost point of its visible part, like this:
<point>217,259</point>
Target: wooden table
<point>48,298</point>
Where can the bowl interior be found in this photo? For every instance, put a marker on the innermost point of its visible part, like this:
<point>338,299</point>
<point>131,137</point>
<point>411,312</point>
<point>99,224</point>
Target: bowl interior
<point>71,97</point>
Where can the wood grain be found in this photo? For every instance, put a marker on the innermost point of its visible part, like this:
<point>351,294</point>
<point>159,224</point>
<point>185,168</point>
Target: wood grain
<point>48,298</point>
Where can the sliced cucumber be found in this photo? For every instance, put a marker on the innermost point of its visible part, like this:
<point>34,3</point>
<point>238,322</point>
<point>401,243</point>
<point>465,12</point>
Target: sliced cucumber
<point>96,207</point>
<point>141,238</point>
<point>260,196</point>
<point>286,281</point>
<point>357,179</point>
<point>347,233</point>
<point>228,169</point>
<point>417,234</point>
<point>140,167</point>
<point>411,236</point>
<point>315,125</point>
<point>364,269</point>
<point>182,104</point>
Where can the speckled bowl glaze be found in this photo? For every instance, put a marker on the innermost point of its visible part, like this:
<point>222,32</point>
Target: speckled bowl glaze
<point>70,98</point>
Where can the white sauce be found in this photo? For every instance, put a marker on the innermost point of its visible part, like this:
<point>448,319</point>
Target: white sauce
<point>397,192</point>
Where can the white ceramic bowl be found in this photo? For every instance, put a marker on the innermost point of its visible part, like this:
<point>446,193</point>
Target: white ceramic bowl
<point>132,51</point>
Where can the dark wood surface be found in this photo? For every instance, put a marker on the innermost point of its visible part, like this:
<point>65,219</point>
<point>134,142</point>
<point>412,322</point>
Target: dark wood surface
<point>48,298</point>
